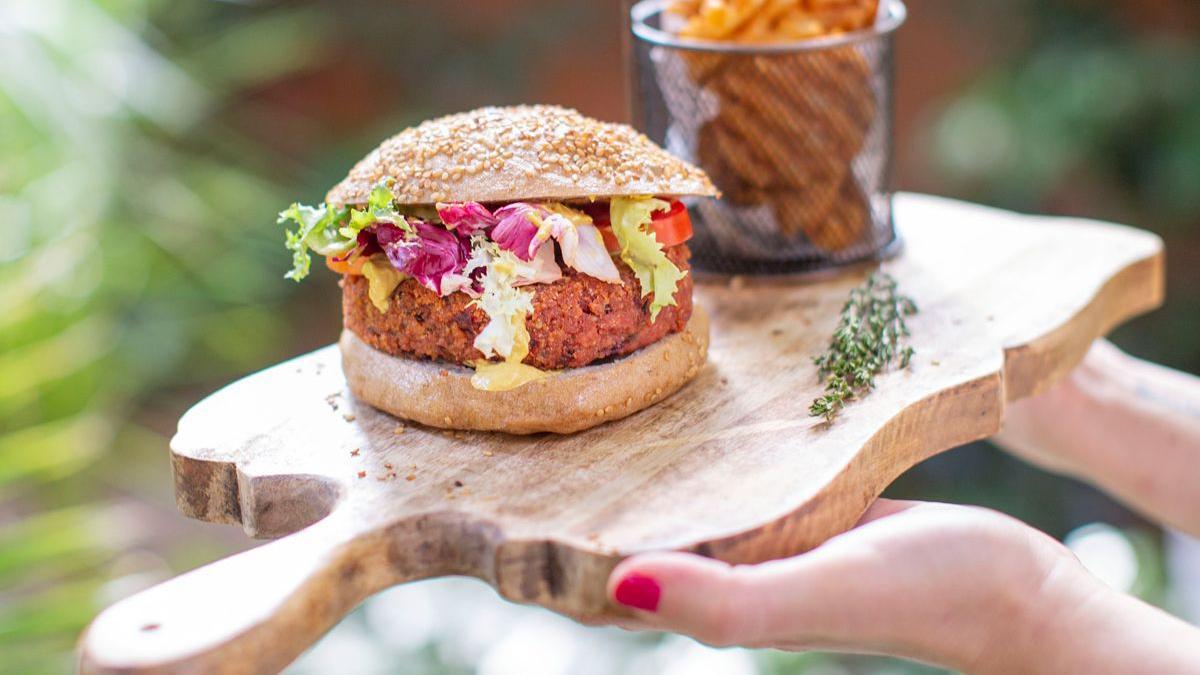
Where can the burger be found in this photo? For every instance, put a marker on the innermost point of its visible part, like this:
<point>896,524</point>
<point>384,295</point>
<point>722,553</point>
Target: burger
<point>520,269</point>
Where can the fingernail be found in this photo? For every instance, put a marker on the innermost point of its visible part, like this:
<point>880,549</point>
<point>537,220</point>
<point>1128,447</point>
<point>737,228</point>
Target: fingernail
<point>638,591</point>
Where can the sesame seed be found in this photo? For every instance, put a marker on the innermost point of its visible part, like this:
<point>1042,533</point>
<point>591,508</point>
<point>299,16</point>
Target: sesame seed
<point>486,152</point>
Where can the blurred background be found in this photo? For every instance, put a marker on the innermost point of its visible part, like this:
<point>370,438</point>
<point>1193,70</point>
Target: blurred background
<point>146,145</point>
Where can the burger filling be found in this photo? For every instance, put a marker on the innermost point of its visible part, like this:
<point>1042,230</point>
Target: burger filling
<point>487,269</point>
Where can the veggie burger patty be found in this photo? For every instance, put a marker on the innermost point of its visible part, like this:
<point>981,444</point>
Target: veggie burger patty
<point>576,320</point>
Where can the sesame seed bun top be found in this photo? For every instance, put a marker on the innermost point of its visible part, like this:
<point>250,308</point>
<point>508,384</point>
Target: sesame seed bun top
<point>519,153</point>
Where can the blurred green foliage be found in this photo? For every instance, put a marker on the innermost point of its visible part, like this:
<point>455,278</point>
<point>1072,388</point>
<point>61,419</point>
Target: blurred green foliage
<point>132,250</point>
<point>146,144</point>
<point>1097,117</point>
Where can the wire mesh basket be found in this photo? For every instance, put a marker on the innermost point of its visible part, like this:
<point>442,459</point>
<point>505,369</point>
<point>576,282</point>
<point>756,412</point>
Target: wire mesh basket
<point>797,136</point>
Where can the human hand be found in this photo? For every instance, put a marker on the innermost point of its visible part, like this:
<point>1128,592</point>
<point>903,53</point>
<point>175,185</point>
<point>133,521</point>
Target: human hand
<point>1051,430</point>
<point>961,587</point>
<point>1130,427</point>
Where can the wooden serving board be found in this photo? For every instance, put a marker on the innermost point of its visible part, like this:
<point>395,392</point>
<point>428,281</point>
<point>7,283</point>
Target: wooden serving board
<point>731,467</point>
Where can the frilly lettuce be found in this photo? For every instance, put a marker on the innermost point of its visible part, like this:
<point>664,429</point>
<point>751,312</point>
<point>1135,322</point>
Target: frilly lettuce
<point>318,231</point>
<point>327,231</point>
<point>506,306</point>
<point>656,274</point>
<point>443,257</point>
<point>380,209</point>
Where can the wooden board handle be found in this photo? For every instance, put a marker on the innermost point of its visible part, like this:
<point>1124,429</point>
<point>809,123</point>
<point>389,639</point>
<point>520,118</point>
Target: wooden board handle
<point>251,613</point>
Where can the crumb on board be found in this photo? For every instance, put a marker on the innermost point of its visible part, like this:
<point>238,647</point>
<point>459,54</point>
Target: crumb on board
<point>410,477</point>
<point>355,452</point>
<point>362,474</point>
<point>458,483</point>
<point>388,465</point>
<point>488,453</point>
<point>349,417</point>
<point>398,430</point>
<point>935,363</point>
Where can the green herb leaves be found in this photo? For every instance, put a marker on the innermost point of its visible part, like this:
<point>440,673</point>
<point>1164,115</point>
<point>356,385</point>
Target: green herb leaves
<point>866,341</point>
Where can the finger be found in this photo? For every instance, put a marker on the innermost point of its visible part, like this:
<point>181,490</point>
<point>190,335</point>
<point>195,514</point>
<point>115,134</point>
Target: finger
<point>688,594</point>
<point>846,592</point>
<point>882,508</point>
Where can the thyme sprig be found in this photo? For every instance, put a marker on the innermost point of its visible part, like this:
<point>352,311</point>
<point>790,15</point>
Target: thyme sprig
<point>866,341</point>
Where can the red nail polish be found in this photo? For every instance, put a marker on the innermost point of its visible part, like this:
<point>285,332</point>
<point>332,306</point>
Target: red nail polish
<point>638,591</point>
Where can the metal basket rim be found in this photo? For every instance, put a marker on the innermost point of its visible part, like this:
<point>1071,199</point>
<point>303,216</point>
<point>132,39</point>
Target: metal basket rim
<point>893,15</point>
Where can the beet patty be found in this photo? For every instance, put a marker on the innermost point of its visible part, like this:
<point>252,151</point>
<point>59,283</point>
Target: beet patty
<point>576,320</point>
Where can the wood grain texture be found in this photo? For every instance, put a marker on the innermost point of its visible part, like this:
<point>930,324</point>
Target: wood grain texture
<point>731,466</point>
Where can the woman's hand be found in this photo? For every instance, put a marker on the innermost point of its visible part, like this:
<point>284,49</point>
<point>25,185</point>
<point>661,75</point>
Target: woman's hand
<point>1130,427</point>
<point>957,586</point>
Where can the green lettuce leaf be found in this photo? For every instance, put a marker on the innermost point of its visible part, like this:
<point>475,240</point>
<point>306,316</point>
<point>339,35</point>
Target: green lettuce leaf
<point>380,208</point>
<point>643,253</point>
<point>325,229</point>
<point>318,231</point>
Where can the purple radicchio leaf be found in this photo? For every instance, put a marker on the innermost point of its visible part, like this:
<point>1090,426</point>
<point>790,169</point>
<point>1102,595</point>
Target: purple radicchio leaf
<point>466,217</point>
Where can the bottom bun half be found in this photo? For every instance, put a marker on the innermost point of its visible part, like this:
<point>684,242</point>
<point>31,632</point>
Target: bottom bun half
<point>441,395</point>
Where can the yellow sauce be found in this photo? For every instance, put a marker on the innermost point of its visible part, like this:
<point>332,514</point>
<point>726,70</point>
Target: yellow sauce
<point>382,279</point>
<point>504,376</point>
<point>510,373</point>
